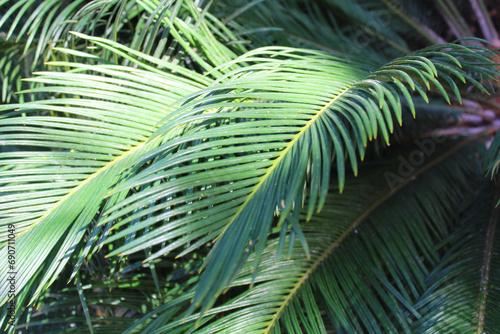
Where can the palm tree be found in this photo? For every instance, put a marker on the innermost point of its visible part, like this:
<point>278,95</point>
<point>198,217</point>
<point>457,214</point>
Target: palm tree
<point>248,167</point>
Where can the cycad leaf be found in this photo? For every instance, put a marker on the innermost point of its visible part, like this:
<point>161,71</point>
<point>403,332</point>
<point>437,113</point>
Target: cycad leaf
<point>251,145</point>
<point>370,268</point>
<point>54,192</point>
<point>52,196</point>
<point>183,144</point>
<point>464,283</point>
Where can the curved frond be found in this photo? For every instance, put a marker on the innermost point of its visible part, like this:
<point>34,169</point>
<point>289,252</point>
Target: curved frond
<point>86,138</point>
<point>53,193</point>
<point>167,164</point>
<point>256,137</point>
<point>372,268</point>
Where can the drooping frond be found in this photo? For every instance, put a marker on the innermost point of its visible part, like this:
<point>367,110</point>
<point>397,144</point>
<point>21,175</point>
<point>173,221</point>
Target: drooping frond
<point>372,268</point>
<point>256,137</point>
<point>51,194</point>
<point>149,132</point>
<point>95,129</point>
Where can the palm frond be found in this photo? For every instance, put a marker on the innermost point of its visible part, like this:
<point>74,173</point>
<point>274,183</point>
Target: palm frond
<point>372,268</point>
<point>30,29</point>
<point>50,194</point>
<point>467,275</point>
<point>172,29</point>
<point>153,129</point>
<point>314,25</point>
<point>205,40</point>
<point>13,64</point>
<point>73,154</point>
<point>283,139</point>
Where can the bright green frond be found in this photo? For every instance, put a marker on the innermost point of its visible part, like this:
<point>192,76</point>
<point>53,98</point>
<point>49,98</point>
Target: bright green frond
<point>52,194</point>
<point>198,166</point>
<point>255,138</point>
<point>370,266</point>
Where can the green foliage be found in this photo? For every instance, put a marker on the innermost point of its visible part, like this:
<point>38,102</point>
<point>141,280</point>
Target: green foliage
<point>242,168</point>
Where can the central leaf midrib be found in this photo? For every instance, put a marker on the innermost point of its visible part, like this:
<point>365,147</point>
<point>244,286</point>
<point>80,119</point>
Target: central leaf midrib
<point>83,183</point>
<point>282,155</point>
<point>484,285</point>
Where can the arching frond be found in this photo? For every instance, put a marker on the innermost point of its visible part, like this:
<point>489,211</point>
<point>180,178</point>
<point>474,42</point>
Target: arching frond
<point>200,165</point>
<point>53,193</point>
<point>372,268</point>
<point>285,136</point>
<point>94,145</point>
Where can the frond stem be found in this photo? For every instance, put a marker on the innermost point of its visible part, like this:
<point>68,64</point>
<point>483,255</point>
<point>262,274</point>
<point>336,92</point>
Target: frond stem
<point>484,20</point>
<point>83,183</point>
<point>424,31</point>
<point>485,268</point>
<point>282,155</point>
<point>454,19</point>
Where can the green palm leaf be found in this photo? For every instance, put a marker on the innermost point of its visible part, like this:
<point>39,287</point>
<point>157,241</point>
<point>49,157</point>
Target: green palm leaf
<point>52,196</point>
<point>291,113</point>
<point>152,132</point>
<point>372,269</point>
<point>50,193</point>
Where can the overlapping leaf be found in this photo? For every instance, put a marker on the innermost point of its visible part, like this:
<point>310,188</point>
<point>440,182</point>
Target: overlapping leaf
<point>79,145</point>
<point>53,193</point>
<point>171,159</point>
<point>372,268</point>
<point>257,136</point>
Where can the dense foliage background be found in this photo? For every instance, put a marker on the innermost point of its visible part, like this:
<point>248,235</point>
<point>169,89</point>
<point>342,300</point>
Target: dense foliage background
<point>246,167</point>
